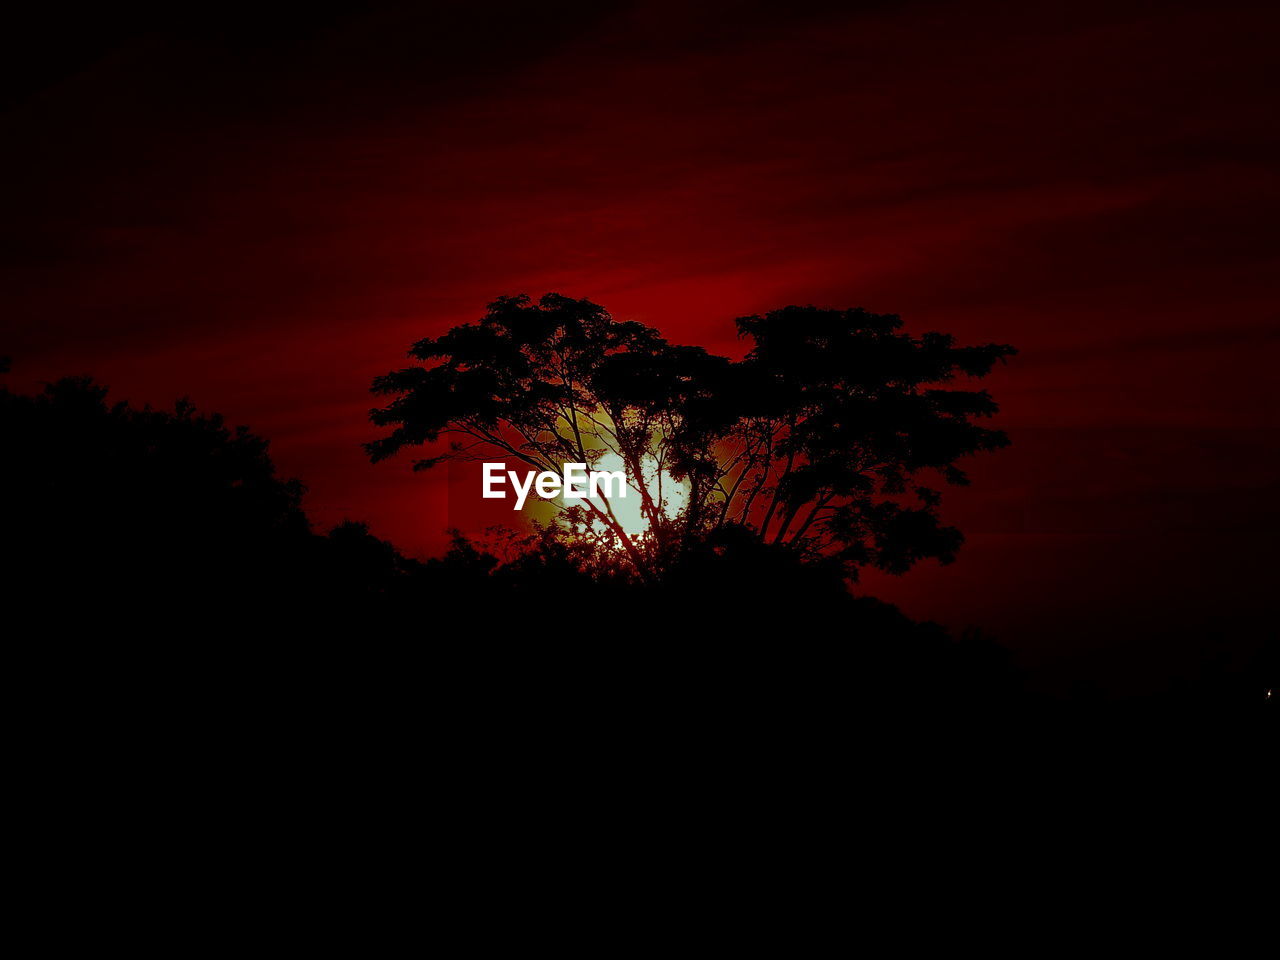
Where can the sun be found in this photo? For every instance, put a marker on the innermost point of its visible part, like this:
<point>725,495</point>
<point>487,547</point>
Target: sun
<point>673,495</point>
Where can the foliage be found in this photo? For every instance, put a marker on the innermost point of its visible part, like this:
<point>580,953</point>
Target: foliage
<point>830,437</point>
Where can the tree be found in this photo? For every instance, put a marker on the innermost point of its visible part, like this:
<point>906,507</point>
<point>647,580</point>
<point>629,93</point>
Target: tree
<point>829,438</point>
<point>174,523</point>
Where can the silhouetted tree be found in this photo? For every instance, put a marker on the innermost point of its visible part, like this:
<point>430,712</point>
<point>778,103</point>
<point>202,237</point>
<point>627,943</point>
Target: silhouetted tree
<point>142,510</point>
<point>829,438</point>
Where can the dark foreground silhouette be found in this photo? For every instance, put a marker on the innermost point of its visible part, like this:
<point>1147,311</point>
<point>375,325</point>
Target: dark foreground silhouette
<point>157,563</point>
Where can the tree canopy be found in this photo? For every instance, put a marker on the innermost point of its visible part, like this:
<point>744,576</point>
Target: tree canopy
<point>830,438</point>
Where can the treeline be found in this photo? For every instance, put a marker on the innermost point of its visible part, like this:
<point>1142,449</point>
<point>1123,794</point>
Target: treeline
<point>170,528</point>
<point>156,553</point>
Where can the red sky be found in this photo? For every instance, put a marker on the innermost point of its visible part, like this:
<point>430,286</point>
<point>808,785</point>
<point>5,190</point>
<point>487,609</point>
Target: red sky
<point>264,214</point>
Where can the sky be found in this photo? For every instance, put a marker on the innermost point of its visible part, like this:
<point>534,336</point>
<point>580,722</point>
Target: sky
<point>263,211</point>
